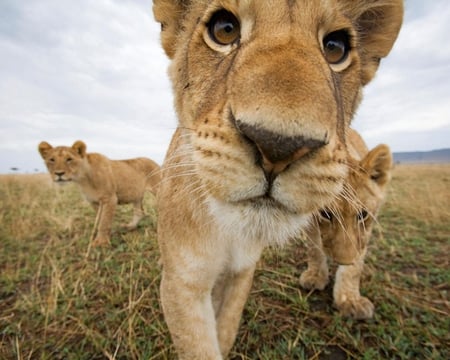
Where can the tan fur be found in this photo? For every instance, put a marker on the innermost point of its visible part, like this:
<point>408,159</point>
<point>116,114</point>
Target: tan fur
<point>343,230</point>
<point>259,147</point>
<point>104,182</point>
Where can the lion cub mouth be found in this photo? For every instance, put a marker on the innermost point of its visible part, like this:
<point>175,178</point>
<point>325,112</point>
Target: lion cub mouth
<point>263,202</point>
<point>61,181</point>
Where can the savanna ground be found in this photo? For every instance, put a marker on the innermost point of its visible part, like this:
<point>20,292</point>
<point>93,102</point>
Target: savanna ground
<point>61,299</point>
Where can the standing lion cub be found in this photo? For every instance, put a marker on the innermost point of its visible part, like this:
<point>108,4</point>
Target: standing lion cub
<point>342,231</point>
<point>104,182</point>
<point>264,93</point>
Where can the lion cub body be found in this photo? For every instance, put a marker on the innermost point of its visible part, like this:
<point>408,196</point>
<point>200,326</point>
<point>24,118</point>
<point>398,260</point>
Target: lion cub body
<point>104,182</point>
<point>264,92</point>
<point>342,231</point>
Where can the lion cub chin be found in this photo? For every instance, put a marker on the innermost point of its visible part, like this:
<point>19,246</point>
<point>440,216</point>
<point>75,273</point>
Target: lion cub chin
<point>342,230</point>
<point>104,182</point>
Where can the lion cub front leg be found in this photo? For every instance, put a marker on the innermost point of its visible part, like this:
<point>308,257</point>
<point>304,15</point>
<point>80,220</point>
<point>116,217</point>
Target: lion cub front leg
<point>347,297</point>
<point>105,215</point>
<point>229,297</point>
<point>316,275</point>
<point>189,314</point>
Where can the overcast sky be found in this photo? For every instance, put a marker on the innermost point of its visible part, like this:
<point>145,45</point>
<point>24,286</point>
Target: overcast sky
<point>94,70</point>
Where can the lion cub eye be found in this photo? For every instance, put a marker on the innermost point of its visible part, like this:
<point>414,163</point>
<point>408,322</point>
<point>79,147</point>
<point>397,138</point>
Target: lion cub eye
<point>224,28</point>
<point>336,46</point>
<point>69,160</point>
<point>326,215</point>
<point>363,215</point>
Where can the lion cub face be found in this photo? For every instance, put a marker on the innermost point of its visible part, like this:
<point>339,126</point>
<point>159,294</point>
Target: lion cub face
<point>64,163</point>
<point>347,224</point>
<point>264,92</point>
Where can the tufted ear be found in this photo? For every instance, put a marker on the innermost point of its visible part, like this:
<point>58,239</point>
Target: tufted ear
<point>170,14</point>
<point>80,148</point>
<point>43,148</point>
<point>378,23</point>
<point>378,164</point>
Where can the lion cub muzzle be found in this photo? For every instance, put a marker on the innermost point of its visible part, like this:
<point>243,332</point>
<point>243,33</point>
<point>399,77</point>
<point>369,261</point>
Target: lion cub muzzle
<point>284,110</point>
<point>276,152</point>
<point>59,176</point>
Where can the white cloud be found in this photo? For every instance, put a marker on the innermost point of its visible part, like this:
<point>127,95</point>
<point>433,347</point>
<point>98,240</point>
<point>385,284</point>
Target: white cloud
<point>83,70</point>
<point>408,102</point>
<point>94,70</point>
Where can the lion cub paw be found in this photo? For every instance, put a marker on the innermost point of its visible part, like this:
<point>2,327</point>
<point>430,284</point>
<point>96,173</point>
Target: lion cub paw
<point>360,308</point>
<point>100,241</point>
<point>313,280</point>
<point>128,226</point>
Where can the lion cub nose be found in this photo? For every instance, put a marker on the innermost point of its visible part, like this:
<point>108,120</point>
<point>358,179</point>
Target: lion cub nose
<point>278,151</point>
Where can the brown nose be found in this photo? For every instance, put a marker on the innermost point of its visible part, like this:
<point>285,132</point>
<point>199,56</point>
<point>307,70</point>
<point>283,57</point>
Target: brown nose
<point>278,151</point>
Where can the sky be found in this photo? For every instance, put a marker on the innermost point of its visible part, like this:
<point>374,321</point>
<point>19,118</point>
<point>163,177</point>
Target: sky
<point>95,71</point>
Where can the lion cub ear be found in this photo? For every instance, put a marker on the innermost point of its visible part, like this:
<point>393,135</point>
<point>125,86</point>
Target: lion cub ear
<point>170,13</point>
<point>378,23</point>
<point>378,164</point>
<point>79,147</point>
<point>44,147</point>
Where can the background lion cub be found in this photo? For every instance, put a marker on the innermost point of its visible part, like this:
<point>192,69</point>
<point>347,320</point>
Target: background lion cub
<point>104,182</point>
<point>342,231</point>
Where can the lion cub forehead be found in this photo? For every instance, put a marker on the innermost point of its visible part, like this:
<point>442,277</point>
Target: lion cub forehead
<point>277,10</point>
<point>363,193</point>
<point>62,151</point>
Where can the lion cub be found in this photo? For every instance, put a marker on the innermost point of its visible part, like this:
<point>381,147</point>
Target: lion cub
<point>264,92</point>
<point>104,182</point>
<point>342,231</point>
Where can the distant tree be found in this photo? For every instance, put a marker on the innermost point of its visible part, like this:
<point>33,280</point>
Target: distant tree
<point>14,169</point>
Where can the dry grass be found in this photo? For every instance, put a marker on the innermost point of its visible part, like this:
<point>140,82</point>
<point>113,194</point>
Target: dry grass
<point>422,192</point>
<point>60,299</point>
